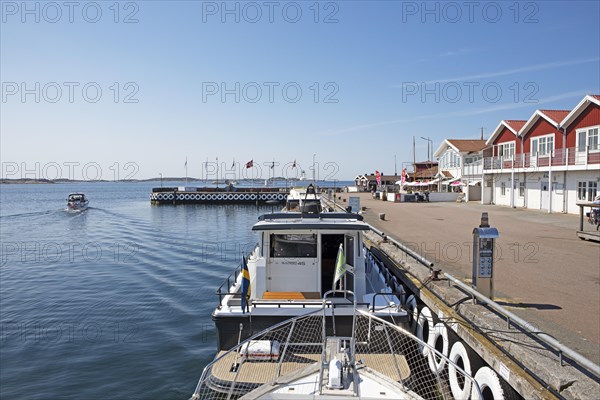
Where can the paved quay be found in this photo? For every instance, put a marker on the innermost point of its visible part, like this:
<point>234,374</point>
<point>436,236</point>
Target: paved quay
<point>543,272</point>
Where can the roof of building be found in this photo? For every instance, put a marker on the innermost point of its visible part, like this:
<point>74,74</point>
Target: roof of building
<point>461,146</point>
<point>583,104</point>
<point>467,145</point>
<point>513,125</point>
<point>556,115</point>
<point>552,116</point>
<point>425,173</point>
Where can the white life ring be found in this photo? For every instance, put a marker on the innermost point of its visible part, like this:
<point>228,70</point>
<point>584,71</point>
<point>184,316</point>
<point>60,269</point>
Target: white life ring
<point>436,363</point>
<point>196,197</point>
<point>425,319</point>
<point>490,383</point>
<point>186,196</point>
<point>460,357</point>
<point>159,196</point>
<point>170,196</point>
<point>236,196</point>
<point>202,196</point>
<point>261,196</point>
<point>281,196</point>
<point>413,311</point>
<point>252,196</point>
<point>212,197</point>
<point>219,196</point>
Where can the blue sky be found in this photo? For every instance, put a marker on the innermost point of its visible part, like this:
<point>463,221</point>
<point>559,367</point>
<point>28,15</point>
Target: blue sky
<point>371,74</point>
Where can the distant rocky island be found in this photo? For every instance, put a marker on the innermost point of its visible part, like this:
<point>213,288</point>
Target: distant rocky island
<point>165,179</point>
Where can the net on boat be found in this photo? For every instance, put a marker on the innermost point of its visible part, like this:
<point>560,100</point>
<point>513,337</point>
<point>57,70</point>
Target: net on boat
<point>298,347</point>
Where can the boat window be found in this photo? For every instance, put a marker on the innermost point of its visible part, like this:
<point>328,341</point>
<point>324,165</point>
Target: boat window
<point>350,250</point>
<point>294,246</point>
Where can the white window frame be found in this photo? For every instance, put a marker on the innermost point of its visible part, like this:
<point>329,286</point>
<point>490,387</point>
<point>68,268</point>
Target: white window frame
<point>537,152</point>
<point>588,146</point>
<point>502,188</point>
<point>505,146</point>
<point>592,190</point>
<point>522,188</point>
<point>582,189</point>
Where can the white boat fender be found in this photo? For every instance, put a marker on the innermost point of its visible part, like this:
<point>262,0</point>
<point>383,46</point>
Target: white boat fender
<point>425,321</point>
<point>491,384</point>
<point>460,357</point>
<point>335,374</point>
<point>436,363</point>
<point>255,350</point>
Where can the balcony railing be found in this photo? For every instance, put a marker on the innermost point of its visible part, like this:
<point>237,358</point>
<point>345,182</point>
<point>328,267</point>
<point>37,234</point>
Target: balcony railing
<point>558,158</point>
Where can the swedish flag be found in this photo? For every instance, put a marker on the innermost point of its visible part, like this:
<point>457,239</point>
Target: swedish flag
<point>245,284</point>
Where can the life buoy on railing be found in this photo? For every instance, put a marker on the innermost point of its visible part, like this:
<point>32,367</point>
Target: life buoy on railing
<point>439,333</point>
<point>281,196</point>
<point>219,196</point>
<point>212,196</point>
<point>196,197</point>
<point>424,328</point>
<point>460,387</point>
<point>253,196</point>
<point>236,196</point>
<point>413,311</point>
<point>203,197</point>
<point>170,196</point>
<point>159,196</point>
<point>490,383</point>
<point>186,196</point>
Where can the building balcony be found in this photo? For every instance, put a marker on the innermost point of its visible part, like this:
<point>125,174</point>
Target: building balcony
<point>560,159</point>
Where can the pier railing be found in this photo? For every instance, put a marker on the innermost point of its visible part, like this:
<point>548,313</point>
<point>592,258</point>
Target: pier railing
<point>512,320</point>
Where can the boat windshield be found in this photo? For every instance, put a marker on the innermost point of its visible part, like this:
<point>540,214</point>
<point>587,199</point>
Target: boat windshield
<point>293,245</point>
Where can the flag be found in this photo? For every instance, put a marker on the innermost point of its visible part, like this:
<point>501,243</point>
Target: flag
<point>185,165</point>
<point>294,164</point>
<point>403,175</point>
<point>250,164</point>
<point>340,265</point>
<point>233,165</point>
<point>273,165</point>
<point>378,177</point>
<point>245,284</point>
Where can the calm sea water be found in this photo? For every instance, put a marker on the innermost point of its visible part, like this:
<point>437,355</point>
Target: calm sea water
<point>113,302</point>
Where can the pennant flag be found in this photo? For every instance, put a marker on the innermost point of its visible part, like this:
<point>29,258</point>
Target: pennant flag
<point>185,165</point>
<point>233,165</point>
<point>340,265</point>
<point>294,164</point>
<point>273,165</point>
<point>250,164</point>
<point>245,284</point>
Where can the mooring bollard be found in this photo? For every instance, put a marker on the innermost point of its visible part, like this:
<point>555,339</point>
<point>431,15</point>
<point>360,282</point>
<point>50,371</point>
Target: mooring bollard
<point>382,216</point>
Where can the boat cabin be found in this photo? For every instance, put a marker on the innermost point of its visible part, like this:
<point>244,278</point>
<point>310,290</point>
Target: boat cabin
<point>297,253</point>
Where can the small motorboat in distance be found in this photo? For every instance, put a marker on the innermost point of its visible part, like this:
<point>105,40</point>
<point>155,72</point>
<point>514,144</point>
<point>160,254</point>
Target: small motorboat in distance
<point>77,202</point>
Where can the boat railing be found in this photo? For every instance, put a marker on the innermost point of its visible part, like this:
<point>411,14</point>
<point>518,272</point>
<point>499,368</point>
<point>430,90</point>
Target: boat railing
<point>224,289</point>
<point>377,346</point>
<point>398,295</point>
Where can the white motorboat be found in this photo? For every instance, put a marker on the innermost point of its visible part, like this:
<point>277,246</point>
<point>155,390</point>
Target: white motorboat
<point>292,269</point>
<point>77,202</point>
<point>304,199</point>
